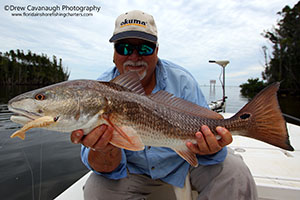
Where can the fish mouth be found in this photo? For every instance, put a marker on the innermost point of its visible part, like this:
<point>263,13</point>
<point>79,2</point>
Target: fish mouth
<point>22,116</point>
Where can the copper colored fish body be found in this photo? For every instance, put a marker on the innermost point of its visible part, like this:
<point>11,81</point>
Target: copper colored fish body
<point>160,119</point>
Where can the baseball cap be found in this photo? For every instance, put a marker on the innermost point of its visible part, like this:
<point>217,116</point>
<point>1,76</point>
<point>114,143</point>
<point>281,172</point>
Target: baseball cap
<point>135,24</point>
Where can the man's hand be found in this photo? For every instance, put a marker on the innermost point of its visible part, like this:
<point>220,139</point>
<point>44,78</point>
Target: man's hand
<point>98,139</point>
<point>207,143</point>
<point>103,157</point>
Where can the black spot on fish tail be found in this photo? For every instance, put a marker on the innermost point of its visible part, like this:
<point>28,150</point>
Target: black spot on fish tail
<point>245,116</point>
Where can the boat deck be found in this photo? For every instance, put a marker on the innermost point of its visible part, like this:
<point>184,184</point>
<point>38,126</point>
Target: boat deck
<point>275,171</point>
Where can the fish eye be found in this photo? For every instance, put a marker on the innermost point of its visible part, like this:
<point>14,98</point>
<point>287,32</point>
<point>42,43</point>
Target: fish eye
<point>39,97</point>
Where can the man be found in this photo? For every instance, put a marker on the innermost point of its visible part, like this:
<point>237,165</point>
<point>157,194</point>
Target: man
<point>123,174</point>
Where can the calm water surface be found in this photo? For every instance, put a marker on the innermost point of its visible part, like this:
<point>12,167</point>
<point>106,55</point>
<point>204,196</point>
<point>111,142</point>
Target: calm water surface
<point>46,162</point>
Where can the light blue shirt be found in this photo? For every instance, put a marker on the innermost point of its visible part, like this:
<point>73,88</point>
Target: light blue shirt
<point>160,162</point>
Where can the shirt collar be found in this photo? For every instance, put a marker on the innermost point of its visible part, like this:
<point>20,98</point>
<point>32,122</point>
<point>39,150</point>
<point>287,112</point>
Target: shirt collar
<point>115,72</point>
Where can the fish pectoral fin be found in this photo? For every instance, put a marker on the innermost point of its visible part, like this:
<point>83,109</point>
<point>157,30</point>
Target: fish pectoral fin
<point>133,144</point>
<point>120,131</point>
<point>187,155</point>
<point>124,137</point>
<point>37,123</point>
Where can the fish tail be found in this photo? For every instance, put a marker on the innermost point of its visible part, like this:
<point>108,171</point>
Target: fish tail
<point>266,122</point>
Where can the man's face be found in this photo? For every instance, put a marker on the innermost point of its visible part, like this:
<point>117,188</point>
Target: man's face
<point>144,65</point>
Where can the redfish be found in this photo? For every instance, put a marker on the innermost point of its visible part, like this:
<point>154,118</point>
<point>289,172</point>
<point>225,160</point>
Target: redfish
<point>160,119</point>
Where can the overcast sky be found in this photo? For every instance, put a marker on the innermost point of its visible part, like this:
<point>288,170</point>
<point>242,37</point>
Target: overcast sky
<point>189,32</point>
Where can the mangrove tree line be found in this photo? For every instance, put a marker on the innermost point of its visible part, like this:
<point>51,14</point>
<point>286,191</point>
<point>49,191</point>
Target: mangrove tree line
<point>19,68</point>
<point>284,63</point>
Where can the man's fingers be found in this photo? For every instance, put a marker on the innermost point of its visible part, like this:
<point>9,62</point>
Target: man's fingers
<point>94,136</point>
<point>193,147</point>
<point>105,138</point>
<point>201,147</point>
<point>201,143</point>
<point>76,136</point>
<point>211,140</point>
<point>226,137</point>
<point>207,143</point>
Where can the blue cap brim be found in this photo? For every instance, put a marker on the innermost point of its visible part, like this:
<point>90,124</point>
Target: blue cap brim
<point>133,34</point>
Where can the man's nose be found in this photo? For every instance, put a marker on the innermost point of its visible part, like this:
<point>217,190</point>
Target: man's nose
<point>134,56</point>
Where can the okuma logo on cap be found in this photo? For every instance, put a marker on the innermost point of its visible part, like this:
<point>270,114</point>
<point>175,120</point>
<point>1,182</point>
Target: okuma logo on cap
<point>136,22</point>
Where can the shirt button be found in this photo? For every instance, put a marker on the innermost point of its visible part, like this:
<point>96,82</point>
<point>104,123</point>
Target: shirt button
<point>152,168</point>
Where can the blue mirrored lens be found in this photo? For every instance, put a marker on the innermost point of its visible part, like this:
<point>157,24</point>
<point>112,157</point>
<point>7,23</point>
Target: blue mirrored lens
<point>126,49</point>
<point>145,50</point>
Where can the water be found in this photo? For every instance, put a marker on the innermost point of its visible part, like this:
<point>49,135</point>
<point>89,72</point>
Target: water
<point>46,162</point>
<point>234,102</point>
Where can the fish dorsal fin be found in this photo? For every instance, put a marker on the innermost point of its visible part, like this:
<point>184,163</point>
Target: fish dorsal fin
<point>181,105</point>
<point>131,81</point>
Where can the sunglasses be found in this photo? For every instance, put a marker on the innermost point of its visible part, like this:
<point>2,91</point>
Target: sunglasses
<point>127,49</point>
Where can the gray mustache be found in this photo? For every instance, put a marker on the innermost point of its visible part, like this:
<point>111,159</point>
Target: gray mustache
<point>132,63</point>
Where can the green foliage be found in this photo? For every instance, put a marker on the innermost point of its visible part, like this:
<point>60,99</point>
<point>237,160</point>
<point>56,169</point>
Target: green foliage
<point>284,65</point>
<point>17,68</point>
<point>251,88</point>
<point>285,62</point>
